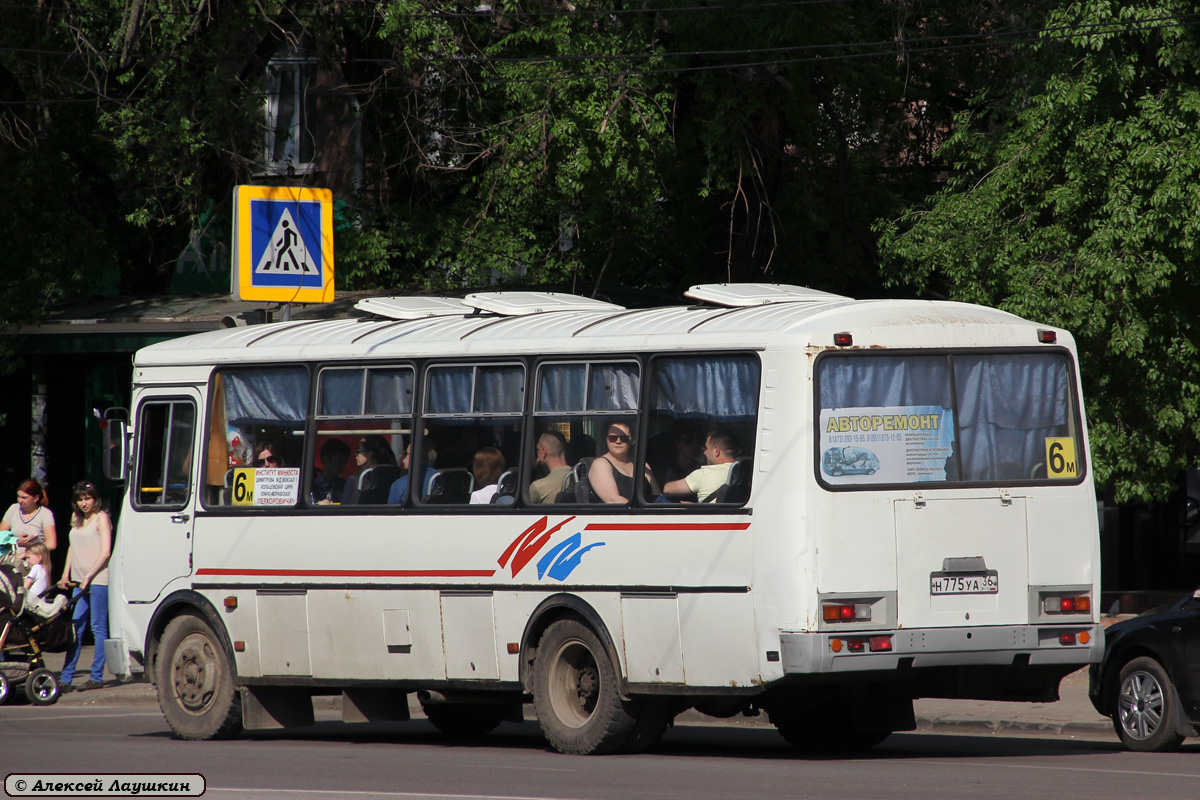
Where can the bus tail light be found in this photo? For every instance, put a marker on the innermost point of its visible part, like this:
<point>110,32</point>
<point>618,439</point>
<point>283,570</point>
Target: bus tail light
<point>1067,604</point>
<point>846,612</point>
<point>1047,337</point>
<point>856,645</point>
<point>881,644</point>
<point>1067,638</point>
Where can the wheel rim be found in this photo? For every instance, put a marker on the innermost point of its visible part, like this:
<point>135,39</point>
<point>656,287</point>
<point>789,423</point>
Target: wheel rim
<point>43,685</point>
<point>195,673</point>
<point>574,684</point>
<point>1141,705</point>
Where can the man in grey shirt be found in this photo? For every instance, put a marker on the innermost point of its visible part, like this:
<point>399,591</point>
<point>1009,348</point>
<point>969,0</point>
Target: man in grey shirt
<point>552,452</point>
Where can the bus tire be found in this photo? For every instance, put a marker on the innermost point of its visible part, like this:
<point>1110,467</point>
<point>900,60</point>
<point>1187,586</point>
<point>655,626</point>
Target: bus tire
<point>465,720</point>
<point>575,692</point>
<point>195,682</point>
<point>1144,707</point>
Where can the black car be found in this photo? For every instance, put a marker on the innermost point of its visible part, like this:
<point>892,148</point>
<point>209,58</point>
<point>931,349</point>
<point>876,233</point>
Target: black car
<point>1149,680</point>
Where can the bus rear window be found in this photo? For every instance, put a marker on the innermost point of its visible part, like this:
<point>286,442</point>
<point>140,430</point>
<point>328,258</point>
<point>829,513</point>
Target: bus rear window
<point>952,418</point>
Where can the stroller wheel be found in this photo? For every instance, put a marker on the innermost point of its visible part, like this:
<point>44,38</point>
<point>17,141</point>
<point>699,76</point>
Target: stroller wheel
<point>5,689</point>
<point>41,687</point>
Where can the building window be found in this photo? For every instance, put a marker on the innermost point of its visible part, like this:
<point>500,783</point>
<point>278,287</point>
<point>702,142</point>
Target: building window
<point>290,112</point>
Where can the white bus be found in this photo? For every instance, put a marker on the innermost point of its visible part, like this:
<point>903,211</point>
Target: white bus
<point>902,508</point>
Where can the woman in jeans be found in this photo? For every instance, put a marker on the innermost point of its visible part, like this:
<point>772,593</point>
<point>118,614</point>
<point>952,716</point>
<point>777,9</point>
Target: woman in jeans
<point>87,566</point>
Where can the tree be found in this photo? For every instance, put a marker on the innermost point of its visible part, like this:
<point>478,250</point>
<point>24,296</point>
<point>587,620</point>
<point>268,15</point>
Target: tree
<point>1075,200</point>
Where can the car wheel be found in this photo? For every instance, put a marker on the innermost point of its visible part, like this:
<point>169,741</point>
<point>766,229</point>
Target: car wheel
<point>1144,710</point>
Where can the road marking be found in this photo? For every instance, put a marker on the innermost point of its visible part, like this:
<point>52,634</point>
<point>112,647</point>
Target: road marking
<point>959,763</point>
<point>248,792</point>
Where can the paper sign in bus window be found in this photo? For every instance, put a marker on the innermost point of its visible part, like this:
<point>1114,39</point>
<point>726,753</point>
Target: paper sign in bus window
<point>259,486</point>
<point>886,444</point>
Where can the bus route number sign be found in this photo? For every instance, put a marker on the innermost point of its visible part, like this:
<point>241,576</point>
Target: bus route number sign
<point>1060,457</point>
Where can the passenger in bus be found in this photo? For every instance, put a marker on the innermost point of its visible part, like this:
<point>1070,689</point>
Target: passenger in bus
<point>328,483</point>
<point>611,475</point>
<point>266,454</point>
<point>720,451</point>
<point>552,456</point>
<point>487,467</point>
<point>681,454</point>
<point>398,494</point>
<point>377,470</point>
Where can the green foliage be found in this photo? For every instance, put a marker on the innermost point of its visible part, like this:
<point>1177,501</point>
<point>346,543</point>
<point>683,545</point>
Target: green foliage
<point>1076,201</point>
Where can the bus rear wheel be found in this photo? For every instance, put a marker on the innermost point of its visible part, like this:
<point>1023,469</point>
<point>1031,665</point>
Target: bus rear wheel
<point>195,682</point>
<point>575,692</point>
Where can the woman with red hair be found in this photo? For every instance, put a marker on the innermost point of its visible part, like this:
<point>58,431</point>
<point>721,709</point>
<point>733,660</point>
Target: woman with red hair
<point>29,518</point>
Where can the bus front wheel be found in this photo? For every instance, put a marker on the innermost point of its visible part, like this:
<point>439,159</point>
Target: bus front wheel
<point>195,682</point>
<point>575,692</point>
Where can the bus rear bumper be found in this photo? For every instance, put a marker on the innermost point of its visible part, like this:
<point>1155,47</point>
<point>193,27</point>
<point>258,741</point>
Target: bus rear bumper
<point>1015,645</point>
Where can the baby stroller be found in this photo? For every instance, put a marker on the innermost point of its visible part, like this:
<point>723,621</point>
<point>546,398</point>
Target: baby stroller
<point>29,627</point>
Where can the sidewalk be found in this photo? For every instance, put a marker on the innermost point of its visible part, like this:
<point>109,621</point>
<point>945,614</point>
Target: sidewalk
<point>1072,715</point>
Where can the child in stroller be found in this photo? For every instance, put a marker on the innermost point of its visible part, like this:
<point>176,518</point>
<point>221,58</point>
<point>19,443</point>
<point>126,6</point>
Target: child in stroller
<point>29,627</point>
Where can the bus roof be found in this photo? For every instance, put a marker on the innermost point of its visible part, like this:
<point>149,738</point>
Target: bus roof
<point>523,323</point>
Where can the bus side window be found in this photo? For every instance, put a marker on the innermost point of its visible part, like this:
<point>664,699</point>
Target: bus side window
<point>475,414</point>
<point>165,450</point>
<point>255,412</point>
<point>364,430</point>
<point>702,421</point>
<point>575,408</point>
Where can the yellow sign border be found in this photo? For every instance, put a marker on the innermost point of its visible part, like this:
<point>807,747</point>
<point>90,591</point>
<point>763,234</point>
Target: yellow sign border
<point>242,245</point>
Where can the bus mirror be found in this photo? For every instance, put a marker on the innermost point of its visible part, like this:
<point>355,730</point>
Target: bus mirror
<point>115,428</point>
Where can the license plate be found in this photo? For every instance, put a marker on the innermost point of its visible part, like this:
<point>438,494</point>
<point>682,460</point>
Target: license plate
<point>964,583</point>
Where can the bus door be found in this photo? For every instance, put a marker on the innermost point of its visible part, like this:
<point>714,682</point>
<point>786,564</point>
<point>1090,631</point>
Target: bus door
<point>962,561</point>
<point>156,538</point>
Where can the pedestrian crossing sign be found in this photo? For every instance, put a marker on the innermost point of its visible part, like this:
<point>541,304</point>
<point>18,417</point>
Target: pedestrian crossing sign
<point>283,244</point>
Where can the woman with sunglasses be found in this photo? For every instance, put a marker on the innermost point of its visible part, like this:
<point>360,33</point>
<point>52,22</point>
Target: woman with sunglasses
<point>611,475</point>
<point>267,455</point>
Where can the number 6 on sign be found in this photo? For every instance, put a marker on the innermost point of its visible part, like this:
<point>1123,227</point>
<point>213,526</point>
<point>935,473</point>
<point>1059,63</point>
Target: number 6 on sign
<point>1060,458</point>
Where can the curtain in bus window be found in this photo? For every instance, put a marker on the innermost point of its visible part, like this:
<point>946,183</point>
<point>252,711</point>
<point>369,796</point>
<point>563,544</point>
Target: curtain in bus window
<point>561,387</point>
<point>450,390</point>
<point>341,392</point>
<point>390,392</point>
<point>614,387</point>
<point>1008,406</point>
<point>724,387</point>
<point>499,390</point>
<point>266,396</point>
<point>885,381</point>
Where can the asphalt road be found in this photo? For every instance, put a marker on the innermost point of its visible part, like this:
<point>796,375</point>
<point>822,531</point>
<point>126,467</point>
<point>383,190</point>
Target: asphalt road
<point>693,762</point>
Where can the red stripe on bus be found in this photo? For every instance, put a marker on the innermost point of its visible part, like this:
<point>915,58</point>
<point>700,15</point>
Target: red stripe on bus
<point>667,526</point>
<point>352,573</point>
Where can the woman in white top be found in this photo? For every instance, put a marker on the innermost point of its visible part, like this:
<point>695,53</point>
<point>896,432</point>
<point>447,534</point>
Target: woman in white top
<point>87,566</point>
<point>29,518</point>
<point>487,467</point>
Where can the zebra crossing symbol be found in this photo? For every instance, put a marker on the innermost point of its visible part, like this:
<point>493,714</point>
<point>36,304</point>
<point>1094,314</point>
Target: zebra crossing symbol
<point>283,243</point>
<point>287,253</point>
